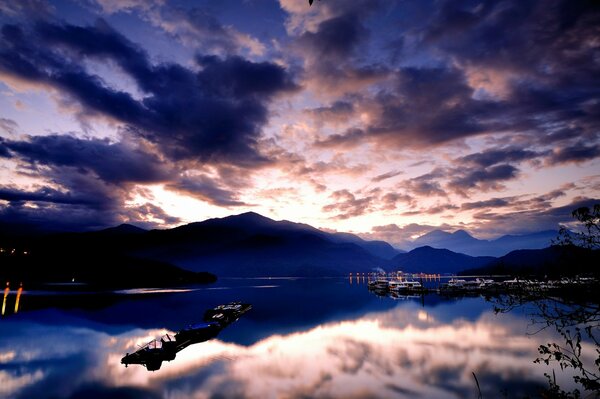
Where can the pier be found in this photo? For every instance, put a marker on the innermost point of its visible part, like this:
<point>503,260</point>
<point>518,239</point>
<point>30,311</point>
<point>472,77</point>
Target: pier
<point>383,283</point>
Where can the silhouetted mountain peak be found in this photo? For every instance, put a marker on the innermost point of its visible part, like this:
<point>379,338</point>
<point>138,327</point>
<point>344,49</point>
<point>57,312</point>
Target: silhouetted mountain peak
<point>434,234</point>
<point>429,249</point>
<point>124,228</point>
<point>424,248</point>
<point>462,234</point>
<point>249,216</point>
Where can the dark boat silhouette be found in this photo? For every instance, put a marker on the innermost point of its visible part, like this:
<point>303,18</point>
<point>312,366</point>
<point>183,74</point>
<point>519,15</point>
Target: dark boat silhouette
<point>166,347</point>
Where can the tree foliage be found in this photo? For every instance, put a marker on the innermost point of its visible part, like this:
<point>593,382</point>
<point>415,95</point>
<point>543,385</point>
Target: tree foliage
<point>577,319</point>
<point>588,235</point>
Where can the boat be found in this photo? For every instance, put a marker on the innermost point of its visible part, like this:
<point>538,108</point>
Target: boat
<point>380,283</point>
<point>453,285</point>
<point>405,285</point>
<point>485,283</point>
<point>165,348</point>
<point>226,314</point>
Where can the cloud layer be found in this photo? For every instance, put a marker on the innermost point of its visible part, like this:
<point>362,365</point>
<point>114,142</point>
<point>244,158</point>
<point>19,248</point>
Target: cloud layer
<point>426,113</point>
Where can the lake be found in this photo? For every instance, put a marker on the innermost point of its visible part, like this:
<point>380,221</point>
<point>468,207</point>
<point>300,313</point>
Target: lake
<point>304,338</point>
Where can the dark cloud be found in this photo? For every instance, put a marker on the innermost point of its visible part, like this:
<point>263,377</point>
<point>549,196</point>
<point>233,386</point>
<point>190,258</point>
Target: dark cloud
<point>89,182</point>
<point>423,107</point>
<point>529,219</point>
<point>483,180</point>
<point>347,205</point>
<point>523,202</point>
<point>385,176</point>
<point>441,208</point>
<point>443,92</point>
<point>490,203</point>
<point>426,185</point>
<point>491,157</point>
<point>8,125</point>
<point>339,111</point>
<point>338,107</point>
<point>206,189</point>
<point>58,217</point>
<point>390,201</point>
<point>237,78</point>
<point>85,204</point>
<point>198,25</point>
<point>331,52</point>
<point>484,171</point>
<point>547,48</point>
<point>488,169</point>
<point>562,135</point>
<point>4,152</point>
<point>335,38</point>
<point>188,25</point>
<point>26,8</point>
<point>214,114</point>
<point>46,195</point>
<point>576,153</point>
<point>98,177</point>
<point>518,68</point>
<point>350,138</point>
<point>112,162</point>
<point>492,34</point>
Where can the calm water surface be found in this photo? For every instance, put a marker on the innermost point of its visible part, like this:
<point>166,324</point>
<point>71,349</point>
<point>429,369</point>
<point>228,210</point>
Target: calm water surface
<point>303,338</point>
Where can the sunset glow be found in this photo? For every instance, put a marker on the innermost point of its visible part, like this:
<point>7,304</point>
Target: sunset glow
<point>386,119</point>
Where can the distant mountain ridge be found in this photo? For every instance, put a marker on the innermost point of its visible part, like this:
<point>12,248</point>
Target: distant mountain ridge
<point>433,260</point>
<point>463,242</point>
<point>251,245</point>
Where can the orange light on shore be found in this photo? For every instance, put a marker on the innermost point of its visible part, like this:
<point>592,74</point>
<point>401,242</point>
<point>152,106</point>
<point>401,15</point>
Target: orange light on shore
<point>19,291</point>
<point>6,291</point>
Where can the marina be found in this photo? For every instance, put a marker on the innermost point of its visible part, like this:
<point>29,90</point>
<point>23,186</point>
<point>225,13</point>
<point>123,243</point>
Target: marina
<point>398,282</point>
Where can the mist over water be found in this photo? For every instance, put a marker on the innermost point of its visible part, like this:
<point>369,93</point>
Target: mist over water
<point>303,338</point>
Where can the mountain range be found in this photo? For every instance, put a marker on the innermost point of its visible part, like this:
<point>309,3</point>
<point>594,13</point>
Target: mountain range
<point>247,245</point>
<point>461,241</point>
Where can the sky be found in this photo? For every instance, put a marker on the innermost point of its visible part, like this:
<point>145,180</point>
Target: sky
<point>384,118</point>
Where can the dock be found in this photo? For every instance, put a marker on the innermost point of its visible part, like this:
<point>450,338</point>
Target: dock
<point>384,284</point>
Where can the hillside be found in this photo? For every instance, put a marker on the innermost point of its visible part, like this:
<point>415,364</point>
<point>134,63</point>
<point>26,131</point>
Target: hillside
<point>252,245</point>
<point>552,261</point>
<point>432,260</point>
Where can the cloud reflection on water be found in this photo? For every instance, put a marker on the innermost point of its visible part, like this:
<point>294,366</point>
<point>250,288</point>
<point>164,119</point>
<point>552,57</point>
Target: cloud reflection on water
<point>403,352</point>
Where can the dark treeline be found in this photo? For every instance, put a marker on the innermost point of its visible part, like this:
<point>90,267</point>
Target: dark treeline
<point>98,259</point>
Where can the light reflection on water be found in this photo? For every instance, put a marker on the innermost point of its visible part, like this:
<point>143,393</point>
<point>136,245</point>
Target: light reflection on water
<point>303,338</point>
